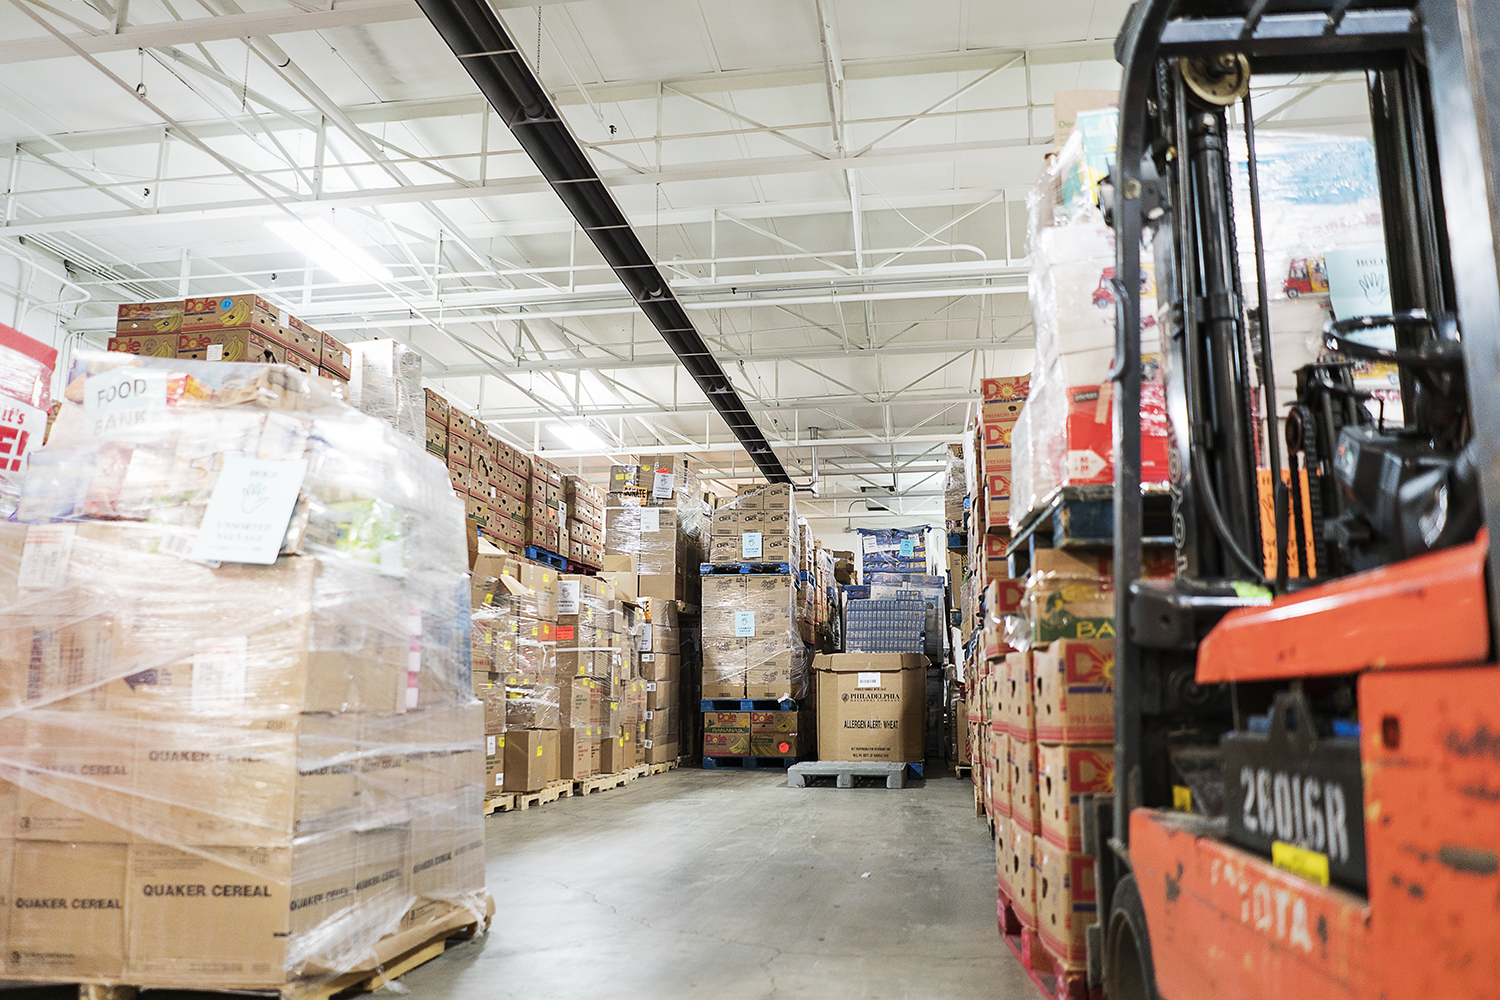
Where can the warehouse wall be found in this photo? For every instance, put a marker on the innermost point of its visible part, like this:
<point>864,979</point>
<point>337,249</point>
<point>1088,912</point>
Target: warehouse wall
<point>37,298</point>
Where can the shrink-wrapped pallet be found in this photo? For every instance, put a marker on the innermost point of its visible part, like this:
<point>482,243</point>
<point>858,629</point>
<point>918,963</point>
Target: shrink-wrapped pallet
<point>237,726</point>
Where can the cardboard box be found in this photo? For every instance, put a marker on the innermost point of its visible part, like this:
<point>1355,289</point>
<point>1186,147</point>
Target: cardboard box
<point>1020,720</point>
<point>1025,802</point>
<point>200,921</point>
<point>871,706</point>
<point>1020,874</point>
<point>614,754</point>
<point>226,312</point>
<point>142,318</point>
<point>66,909</point>
<point>152,345</point>
<point>1070,596</point>
<point>1066,902</point>
<point>999,769</point>
<point>531,759</point>
<point>1013,387</point>
<point>579,752</point>
<point>659,753</point>
<point>726,734</point>
<point>1073,691</point>
<point>1065,772</point>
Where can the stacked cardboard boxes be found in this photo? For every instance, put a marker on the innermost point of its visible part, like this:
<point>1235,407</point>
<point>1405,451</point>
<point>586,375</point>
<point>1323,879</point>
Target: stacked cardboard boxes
<point>758,526</point>
<point>202,696</point>
<point>656,531</point>
<point>1000,409</point>
<point>488,475</point>
<point>752,644</point>
<point>545,512</point>
<point>1073,708</point>
<point>663,627</point>
<point>585,524</point>
<point>228,328</point>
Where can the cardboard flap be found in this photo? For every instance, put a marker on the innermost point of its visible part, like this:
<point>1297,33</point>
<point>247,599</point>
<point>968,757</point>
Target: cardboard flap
<point>514,586</point>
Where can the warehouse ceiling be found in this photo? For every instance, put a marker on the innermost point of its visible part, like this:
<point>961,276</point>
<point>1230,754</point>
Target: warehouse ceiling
<point>836,189</point>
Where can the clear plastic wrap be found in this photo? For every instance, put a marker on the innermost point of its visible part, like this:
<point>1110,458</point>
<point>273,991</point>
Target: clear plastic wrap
<point>760,525</point>
<point>280,766</point>
<point>751,644</point>
<point>385,381</point>
<point>955,488</point>
<point>25,398</point>
<point>894,550</point>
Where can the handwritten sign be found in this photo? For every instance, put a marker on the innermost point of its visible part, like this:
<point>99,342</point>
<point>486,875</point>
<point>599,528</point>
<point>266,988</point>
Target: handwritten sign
<point>123,399</point>
<point>248,512</point>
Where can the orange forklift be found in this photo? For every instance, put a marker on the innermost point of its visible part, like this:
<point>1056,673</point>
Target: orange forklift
<point>1307,719</point>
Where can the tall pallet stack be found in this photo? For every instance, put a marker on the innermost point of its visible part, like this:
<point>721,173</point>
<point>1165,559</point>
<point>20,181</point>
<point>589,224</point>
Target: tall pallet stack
<point>585,522</point>
<point>486,473</point>
<point>755,664</point>
<point>228,328</point>
<point>655,521</point>
<point>545,512</point>
<point>205,696</point>
<point>557,657</point>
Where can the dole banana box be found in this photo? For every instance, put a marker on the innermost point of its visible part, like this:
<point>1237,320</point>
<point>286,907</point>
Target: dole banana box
<point>1073,690</point>
<point>1064,774</point>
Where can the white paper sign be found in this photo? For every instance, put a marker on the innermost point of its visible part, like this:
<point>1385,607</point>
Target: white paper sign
<point>744,624</point>
<point>44,559</point>
<point>248,512</point>
<point>123,398</point>
<point>865,679</point>
<point>569,594</point>
<point>216,352</point>
<point>219,672</point>
<point>645,645</point>
<point>650,518</point>
<point>750,544</point>
<point>489,745</point>
<point>662,485</point>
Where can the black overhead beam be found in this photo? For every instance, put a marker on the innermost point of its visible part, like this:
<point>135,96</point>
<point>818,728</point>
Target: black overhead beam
<point>482,45</point>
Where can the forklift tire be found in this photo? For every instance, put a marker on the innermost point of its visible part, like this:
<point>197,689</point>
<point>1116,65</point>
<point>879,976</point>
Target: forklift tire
<point>1129,972</point>
<point>1292,293</point>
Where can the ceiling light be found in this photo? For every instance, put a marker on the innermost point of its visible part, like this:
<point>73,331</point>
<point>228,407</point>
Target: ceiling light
<point>578,437</point>
<point>331,250</point>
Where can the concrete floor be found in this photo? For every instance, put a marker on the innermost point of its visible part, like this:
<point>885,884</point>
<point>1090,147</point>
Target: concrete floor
<point>727,885</point>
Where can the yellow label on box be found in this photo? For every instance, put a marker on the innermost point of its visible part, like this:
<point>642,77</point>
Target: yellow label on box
<point>538,751</point>
<point>1310,865</point>
<point>1182,798</point>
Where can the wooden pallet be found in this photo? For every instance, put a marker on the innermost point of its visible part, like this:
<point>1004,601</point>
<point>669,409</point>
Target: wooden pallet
<point>550,792</point>
<point>397,955</point>
<point>604,782</point>
<point>500,803</point>
<point>670,765</point>
<point>963,771</point>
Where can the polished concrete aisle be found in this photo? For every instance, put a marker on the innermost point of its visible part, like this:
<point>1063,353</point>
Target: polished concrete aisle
<point>727,885</point>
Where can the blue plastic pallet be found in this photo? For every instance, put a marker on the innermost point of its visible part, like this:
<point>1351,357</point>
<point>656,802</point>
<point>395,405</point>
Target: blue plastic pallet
<point>543,556</point>
<point>748,705</point>
<point>748,763</point>
<point>957,540</point>
<point>729,569</point>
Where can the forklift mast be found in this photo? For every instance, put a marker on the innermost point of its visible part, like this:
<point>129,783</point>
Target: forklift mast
<point>1341,492</point>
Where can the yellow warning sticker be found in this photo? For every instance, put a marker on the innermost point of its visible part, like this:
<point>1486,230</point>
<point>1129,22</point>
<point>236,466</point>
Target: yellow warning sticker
<point>538,751</point>
<point>1310,865</point>
<point>1182,798</point>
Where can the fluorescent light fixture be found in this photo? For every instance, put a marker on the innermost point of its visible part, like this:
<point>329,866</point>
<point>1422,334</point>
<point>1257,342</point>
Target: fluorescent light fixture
<point>578,437</point>
<point>331,250</point>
